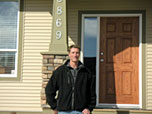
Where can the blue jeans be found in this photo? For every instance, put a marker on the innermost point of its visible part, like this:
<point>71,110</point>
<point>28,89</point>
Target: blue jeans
<point>69,112</point>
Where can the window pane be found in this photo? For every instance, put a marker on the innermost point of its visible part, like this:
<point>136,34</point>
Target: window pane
<point>90,43</point>
<point>7,62</point>
<point>8,24</point>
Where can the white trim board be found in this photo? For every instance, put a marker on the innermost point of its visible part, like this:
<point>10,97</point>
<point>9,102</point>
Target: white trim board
<point>133,106</point>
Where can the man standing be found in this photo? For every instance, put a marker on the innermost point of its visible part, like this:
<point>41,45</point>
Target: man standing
<point>75,86</point>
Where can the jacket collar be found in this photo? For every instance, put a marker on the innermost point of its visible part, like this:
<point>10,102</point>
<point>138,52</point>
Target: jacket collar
<point>80,65</point>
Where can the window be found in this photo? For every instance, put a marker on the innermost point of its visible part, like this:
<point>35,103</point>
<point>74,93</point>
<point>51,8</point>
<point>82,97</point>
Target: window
<point>90,43</point>
<point>8,38</point>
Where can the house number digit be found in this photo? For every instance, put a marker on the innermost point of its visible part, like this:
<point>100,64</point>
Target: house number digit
<point>59,10</point>
<point>58,35</point>
<point>58,22</point>
<point>59,0</point>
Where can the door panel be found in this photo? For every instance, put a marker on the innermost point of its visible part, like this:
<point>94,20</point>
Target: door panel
<point>119,60</point>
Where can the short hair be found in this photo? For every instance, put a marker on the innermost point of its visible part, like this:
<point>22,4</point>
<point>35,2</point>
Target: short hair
<point>74,46</point>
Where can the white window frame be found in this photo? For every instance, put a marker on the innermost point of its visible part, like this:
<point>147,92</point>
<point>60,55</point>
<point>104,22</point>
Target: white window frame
<point>131,106</point>
<point>13,50</point>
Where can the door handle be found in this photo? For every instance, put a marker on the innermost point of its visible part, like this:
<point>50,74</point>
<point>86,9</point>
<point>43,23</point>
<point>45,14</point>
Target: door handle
<point>101,60</point>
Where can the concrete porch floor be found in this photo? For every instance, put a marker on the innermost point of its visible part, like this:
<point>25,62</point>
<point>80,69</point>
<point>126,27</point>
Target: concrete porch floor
<point>96,111</point>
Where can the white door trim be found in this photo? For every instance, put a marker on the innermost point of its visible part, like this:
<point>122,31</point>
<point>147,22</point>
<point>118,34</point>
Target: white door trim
<point>97,59</point>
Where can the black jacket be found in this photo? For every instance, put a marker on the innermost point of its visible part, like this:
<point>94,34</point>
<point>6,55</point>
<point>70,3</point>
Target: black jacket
<point>71,96</point>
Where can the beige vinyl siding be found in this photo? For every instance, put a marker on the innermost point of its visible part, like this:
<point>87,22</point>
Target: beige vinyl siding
<point>100,5</point>
<point>25,95</point>
<point>38,22</point>
<point>149,58</point>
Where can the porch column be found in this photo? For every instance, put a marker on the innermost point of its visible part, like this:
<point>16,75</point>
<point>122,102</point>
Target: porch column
<point>57,53</point>
<point>58,43</point>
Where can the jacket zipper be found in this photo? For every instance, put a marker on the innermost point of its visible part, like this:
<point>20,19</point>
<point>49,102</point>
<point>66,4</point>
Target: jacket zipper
<point>68,80</point>
<point>73,87</point>
<point>73,98</point>
<point>73,84</point>
<point>72,105</point>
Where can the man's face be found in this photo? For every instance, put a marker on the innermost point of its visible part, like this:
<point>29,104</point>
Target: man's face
<point>74,54</point>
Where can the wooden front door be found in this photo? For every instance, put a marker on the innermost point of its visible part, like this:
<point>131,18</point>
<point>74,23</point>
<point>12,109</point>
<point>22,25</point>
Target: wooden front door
<point>119,60</point>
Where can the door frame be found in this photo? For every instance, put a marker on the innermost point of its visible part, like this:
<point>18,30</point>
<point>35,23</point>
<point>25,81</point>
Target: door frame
<point>140,15</point>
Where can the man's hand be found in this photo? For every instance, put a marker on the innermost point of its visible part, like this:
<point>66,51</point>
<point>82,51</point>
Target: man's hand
<point>55,111</point>
<point>86,111</point>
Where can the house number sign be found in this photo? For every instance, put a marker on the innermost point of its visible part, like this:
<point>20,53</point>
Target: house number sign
<point>59,12</point>
<point>58,44</point>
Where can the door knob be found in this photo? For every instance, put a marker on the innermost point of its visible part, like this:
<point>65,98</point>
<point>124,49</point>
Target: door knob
<point>101,60</point>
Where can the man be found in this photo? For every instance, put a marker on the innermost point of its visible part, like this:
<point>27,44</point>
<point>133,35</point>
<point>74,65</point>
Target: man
<point>75,86</point>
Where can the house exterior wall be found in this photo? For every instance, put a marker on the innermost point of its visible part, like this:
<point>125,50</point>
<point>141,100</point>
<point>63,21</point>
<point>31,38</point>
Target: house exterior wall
<point>101,5</point>
<point>25,95</point>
